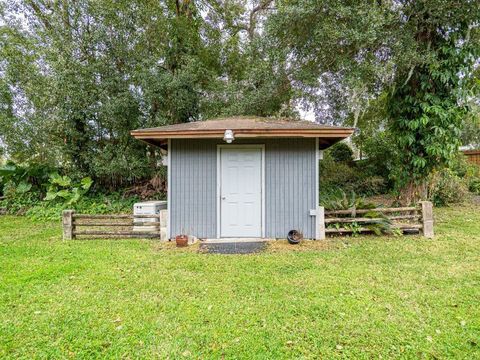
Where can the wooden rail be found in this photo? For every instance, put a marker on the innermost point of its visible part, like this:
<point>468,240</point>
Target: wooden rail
<point>115,216</point>
<point>114,226</point>
<point>339,222</point>
<point>355,219</point>
<point>364,229</point>
<point>365,211</point>
<point>418,218</point>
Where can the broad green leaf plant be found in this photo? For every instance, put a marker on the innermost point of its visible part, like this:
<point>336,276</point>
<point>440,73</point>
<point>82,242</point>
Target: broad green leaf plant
<point>62,187</point>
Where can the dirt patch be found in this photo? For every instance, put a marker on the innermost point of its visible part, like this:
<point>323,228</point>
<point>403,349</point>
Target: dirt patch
<point>172,246</point>
<point>385,200</point>
<point>278,246</point>
<point>475,200</point>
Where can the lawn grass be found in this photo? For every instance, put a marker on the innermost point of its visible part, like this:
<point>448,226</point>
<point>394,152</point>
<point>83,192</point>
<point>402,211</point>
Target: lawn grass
<point>366,297</point>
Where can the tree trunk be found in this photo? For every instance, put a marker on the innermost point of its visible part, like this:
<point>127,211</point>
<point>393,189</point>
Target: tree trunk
<point>413,192</point>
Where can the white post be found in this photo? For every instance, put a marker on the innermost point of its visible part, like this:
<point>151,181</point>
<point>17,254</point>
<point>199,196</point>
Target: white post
<point>320,223</point>
<point>169,192</point>
<point>427,219</point>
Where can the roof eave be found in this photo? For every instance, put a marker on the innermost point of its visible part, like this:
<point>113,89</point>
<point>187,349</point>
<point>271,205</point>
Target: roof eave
<point>195,134</point>
<point>327,137</point>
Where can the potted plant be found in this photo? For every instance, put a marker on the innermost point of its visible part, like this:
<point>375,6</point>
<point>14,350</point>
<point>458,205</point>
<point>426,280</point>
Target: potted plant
<point>181,240</point>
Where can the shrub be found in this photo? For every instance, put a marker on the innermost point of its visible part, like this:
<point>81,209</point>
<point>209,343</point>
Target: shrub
<point>349,177</point>
<point>64,189</point>
<point>371,185</point>
<point>446,188</point>
<point>341,200</point>
<point>461,167</point>
<point>472,177</point>
<point>18,198</point>
<point>380,158</point>
<point>474,186</point>
<point>336,175</point>
<point>23,176</point>
<point>341,152</point>
<point>24,194</point>
<point>97,204</point>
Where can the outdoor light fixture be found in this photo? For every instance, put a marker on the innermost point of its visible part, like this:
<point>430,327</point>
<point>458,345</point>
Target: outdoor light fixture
<point>228,136</point>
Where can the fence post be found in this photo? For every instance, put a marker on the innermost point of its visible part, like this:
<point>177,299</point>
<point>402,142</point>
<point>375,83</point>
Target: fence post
<point>320,223</point>
<point>427,218</point>
<point>354,211</point>
<point>68,226</point>
<point>163,224</point>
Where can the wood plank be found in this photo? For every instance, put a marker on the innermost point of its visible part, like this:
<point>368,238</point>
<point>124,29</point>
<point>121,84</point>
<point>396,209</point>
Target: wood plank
<point>351,220</point>
<point>343,230</point>
<point>400,217</point>
<point>156,224</point>
<point>137,236</point>
<point>103,216</point>
<point>408,226</point>
<point>363,229</point>
<point>364,211</point>
<point>122,233</point>
<point>115,216</point>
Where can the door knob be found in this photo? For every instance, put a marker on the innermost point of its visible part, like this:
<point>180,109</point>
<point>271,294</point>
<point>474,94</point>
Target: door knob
<point>223,197</point>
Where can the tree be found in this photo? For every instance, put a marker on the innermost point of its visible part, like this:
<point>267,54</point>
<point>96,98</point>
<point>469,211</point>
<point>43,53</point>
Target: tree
<point>415,57</point>
<point>78,76</point>
<point>428,102</point>
<point>471,131</point>
<point>471,126</point>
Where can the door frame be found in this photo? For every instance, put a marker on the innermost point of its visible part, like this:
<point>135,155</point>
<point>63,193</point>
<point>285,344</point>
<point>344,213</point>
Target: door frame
<point>219,182</point>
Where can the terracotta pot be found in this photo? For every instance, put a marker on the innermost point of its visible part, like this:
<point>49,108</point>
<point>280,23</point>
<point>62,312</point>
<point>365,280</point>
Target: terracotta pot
<point>181,240</point>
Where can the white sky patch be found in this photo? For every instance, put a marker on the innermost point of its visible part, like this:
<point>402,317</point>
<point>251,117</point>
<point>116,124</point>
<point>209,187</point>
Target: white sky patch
<point>306,114</point>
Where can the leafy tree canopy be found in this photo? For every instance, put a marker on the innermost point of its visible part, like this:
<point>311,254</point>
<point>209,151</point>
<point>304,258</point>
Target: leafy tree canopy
<point>416,57</point>
<point>77,76</point>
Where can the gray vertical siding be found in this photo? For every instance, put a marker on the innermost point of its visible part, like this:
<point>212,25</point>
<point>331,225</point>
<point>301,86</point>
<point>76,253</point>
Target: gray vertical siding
<point>193,188</point>
<point>289,186</point>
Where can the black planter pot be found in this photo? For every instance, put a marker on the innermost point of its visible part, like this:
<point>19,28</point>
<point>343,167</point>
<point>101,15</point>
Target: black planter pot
<point>294,237</point>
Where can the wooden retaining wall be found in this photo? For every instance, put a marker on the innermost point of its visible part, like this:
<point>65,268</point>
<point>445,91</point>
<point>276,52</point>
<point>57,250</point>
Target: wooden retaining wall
<point>114,226</point>
<point>415,218</point>
<point>329,222</point>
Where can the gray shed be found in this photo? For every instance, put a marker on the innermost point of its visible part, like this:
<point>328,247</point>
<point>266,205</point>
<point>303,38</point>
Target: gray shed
<point>243,177</point>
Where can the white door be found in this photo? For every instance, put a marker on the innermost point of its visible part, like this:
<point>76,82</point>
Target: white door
<point>240,191</point>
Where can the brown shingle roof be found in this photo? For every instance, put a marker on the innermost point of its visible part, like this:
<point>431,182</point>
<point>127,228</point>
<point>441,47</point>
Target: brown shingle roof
<point>244,127</point>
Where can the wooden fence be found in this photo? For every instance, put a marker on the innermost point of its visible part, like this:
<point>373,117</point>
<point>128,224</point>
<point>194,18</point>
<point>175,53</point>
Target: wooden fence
<point>473,156</point>
<point>416,218</point>
<point>331,222</point>
<point>114,226</point>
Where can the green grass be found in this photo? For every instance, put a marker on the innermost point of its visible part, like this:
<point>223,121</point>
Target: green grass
<point>405,297</point>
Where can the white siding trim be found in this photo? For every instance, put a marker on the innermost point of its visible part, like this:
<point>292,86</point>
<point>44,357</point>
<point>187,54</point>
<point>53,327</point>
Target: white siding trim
<point>263,191</point>
<point>317,189</point>
<point>219,189</point>
<point>169,184</point>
